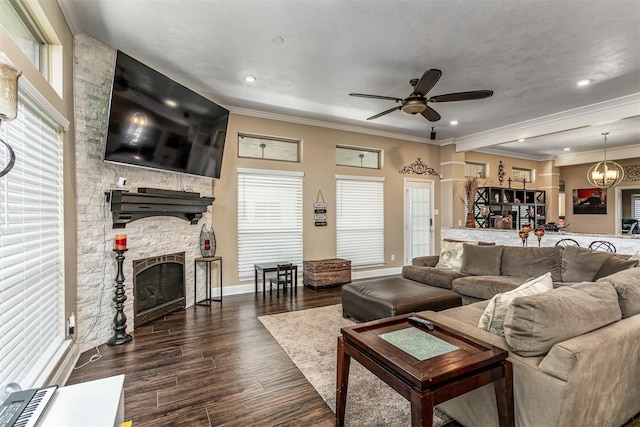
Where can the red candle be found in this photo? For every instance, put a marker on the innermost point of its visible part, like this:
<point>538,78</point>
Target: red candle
<point>121,242</point>
<point>207,245</point>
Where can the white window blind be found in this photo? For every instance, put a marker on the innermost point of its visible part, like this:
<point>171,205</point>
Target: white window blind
<point>635,207</point>
<point>31,249</point>
<point>269,219</point>
<point>360,220</point>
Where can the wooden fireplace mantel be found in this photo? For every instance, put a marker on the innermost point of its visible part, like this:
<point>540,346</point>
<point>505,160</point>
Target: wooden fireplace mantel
<point>129,206</point>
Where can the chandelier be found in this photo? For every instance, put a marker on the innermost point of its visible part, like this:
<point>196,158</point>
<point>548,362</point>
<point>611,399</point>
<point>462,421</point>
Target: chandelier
<point>605,174</point>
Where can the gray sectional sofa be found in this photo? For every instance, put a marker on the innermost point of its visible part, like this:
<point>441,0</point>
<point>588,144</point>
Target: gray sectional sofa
<point>575,348</point>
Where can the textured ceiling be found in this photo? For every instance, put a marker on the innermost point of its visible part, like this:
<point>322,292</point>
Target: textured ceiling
<point>530,53</point>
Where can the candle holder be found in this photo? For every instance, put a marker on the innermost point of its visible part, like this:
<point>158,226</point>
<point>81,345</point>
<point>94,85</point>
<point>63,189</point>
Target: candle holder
<point>539,232</point>
<point>120,335</point>
<point>524,236</point>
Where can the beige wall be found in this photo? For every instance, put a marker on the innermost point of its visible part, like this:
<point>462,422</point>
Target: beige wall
<point>575,177</point>
<point>320,170</point>
<point>58,30</point>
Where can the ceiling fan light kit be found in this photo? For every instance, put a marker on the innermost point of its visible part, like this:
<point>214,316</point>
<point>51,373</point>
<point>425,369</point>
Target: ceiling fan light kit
<point>605,174</point>
<point>414,106</point>
<point>416,102</point>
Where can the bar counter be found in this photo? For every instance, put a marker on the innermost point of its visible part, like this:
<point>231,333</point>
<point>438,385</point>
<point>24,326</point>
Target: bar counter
<point>625,243</point>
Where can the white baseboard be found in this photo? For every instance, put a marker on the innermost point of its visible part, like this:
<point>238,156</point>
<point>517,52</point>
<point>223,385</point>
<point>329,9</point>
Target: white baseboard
<point>66,363</point>
<point>247,288</point>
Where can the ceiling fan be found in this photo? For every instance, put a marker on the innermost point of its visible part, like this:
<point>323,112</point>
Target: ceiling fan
<point>417,101</point>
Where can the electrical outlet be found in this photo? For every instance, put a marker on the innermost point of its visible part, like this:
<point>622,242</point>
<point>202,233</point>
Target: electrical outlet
<point>71,324</point>
<point>393,257</point>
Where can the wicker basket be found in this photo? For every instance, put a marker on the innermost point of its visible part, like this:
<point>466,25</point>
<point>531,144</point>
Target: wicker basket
<point>326,273</point>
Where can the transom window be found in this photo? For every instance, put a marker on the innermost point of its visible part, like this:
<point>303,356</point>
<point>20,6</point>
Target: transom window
<point>262,147</point>
<point>519,174</point>
<point>358,157</point>
<point>20,32</point>
<point>478,170</point>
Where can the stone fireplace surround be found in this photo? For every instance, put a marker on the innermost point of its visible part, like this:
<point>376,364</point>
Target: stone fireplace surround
<point>93,73</point>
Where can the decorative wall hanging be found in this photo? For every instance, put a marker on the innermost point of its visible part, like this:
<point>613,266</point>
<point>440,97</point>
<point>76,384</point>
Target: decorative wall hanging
<point>632,173</point>
<point>419,168</point>
<point>500,173</point>
<point>589,201</point>
<point>207,241</point>
<point>320,211</point>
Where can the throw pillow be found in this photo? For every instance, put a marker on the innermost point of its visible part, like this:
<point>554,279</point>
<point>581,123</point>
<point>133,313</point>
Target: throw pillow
<point>492,319</point>
<point>481,260</point>
<point>614,264</point>
<point>535,323</point>
<point>451,255</point>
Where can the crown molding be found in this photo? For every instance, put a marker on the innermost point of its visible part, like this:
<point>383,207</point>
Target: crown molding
<point>71,16</point>
<point>615,153</point>
<point>325,124</point>
<point>613,109</point>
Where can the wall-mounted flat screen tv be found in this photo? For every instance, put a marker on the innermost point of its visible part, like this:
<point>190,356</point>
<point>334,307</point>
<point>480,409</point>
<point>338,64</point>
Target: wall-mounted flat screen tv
<point>157,123</point>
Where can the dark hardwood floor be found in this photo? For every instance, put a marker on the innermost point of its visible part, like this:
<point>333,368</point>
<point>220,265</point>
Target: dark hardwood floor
<point>216,366</point>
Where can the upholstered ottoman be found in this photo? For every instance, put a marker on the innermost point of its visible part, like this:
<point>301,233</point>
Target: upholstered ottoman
<point>390,296</point>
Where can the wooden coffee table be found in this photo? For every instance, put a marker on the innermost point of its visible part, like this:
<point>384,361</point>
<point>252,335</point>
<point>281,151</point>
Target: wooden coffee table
<point>426,367</point>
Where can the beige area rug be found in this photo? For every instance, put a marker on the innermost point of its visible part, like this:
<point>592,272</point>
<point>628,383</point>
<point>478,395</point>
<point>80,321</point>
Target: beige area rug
<point>309,337</point>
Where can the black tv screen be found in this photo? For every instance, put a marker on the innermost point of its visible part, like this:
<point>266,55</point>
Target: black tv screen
<point>157,123</point>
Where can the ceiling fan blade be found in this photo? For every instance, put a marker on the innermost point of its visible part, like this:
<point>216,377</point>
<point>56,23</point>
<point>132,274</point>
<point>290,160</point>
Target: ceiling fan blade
<point>462,96</point>
<point>430,114</point>
<point>364,95</point>
<point>385,112</point>
<point>427,81</point>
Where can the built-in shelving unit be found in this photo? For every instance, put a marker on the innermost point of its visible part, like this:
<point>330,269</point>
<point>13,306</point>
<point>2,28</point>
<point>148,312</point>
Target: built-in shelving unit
<point>524,206</point>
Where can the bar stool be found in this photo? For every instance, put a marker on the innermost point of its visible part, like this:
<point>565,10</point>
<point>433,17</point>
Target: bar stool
<point>601,245</point>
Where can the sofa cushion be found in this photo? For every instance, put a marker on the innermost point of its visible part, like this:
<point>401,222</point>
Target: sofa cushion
<point>451,255</point>
<point>492,319</point>
<point>613,264</point>
<point>536,323</point>
<point>627,286</point>
<point>581,264</point>
<point>485,287</point>
<point>532,262</point>
<point>481,260</point>
<point>433,276</point>
<point>425,261</point>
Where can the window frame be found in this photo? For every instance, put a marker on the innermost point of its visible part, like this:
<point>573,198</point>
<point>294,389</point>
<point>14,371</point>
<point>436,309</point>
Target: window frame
<point>355,237</point>
<point>266,140</point>
<point>530,172</point>
<point>485,168</point>
<point>42,126</point>
<point>256,239</point>
<point>377,152</point>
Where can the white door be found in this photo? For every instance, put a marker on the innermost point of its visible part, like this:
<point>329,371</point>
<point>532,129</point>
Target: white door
<point>418,218</point>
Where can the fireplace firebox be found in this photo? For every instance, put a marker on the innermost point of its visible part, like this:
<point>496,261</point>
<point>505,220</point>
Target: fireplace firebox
<point>158,287</point>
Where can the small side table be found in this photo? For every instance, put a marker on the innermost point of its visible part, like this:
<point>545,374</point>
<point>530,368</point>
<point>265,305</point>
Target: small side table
<point>208,297</point>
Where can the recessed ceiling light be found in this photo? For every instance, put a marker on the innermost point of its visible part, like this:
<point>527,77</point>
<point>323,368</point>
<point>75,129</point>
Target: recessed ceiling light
<point>170,102</point>
<point>521,140</point>
<point>453,122</point>
<point>567,149</point>
<point>249,78</point>
<point>276,40</point>
<point>584,82</point>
